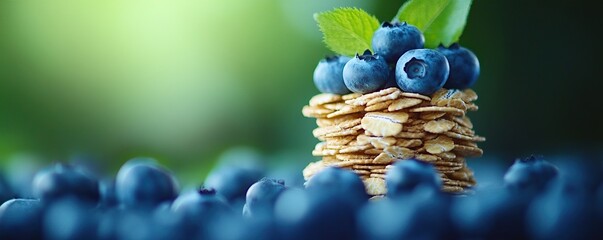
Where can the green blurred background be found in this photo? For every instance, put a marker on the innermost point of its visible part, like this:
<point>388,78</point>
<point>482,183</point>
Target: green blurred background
<point>184,80</point>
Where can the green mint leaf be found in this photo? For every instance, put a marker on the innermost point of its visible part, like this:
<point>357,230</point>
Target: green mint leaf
<point>347,31</point>
<point>441,21</point>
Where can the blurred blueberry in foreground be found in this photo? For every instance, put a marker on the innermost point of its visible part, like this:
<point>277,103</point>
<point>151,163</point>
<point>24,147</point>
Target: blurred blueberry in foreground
<point>21,219</point>
<point>237,170</point>
<point>135,225</point>
<point>141,184</point>
<point>107,193</point>
<point>124,223</point>
<point>70,218</point>
<point>108,222</point>
<point>531,174</point>
<point>490,214</point>
<point>301,214</point>
<point>390,223</point>
<point>537,202</point>
<point>422,214</point>
<point>142,224</point>
<point>172,225</point>
<point>581,173</point>
<point>562,213</point>
<point>232,182</point>
<point>406,175</point>
<point>261,197</point>
<point>200,205</point>
<point>62,180</point>
<point>235,227</point>
<point>340,182</point>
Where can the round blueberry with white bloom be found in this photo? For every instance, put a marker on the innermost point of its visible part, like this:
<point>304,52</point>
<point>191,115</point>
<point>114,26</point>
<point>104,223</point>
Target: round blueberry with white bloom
<point>464,66</point>
<point>422,71</point>
<point>392,40</point>
<point>328,75</point>
<point>365,73</point>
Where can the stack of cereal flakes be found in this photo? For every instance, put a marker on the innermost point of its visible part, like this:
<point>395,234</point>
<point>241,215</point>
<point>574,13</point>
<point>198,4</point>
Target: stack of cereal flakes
<point>368,133</point>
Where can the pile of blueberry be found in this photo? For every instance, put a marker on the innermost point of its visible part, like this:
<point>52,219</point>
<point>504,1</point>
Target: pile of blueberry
<point>537,201</point>
<point>399,60</point>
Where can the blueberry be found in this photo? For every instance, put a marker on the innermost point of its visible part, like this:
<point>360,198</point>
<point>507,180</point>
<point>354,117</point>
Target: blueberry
<point>391,80</point>
<point>341,182</point>
<point>129,223</point>
<point>391,220</point>
<point>200,205</point>
<point>107,193</point>
<point>392,40</point>
<point>61,180</point>
<point>422,71</point>
<point>232,182</point>
<point>70,218</point>
<point>141,184</point>
<point>406,175</point>
<point>261,197</point>
<point>328,75</point>
<point>365,73</point>
<point>530,174</point>
<point>420,215</point>
<point>464,66</point>
<point>21,219</point>
<point>562,213</point>
<point>490,214</point>
<point>135,224</point>
<point>108,223</point>
<point>302,214</point>
<point>236,226</point>
<point>172,225</point>
<point>237,170</point>
<point>580,172</point>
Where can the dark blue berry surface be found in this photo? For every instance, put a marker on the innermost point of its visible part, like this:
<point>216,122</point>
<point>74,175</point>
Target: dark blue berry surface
<point>422,71</point>
<point>533,199</point>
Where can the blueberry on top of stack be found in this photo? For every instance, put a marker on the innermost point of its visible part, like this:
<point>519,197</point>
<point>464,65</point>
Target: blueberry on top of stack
<point>407,100</point>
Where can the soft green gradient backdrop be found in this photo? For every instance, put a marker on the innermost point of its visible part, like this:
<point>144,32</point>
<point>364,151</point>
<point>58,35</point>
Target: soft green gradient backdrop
<point>184,80</point>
